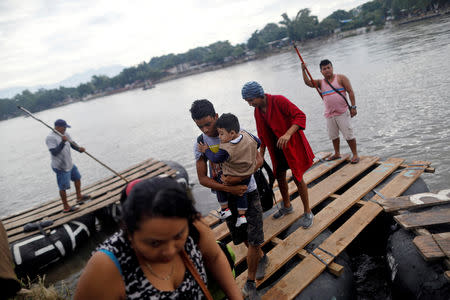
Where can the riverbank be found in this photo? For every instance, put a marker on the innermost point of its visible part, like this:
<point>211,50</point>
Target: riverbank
<point>277,50</point>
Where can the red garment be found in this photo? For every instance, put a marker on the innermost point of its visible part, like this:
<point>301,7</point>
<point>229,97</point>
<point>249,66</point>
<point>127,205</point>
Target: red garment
<point>279,117</point>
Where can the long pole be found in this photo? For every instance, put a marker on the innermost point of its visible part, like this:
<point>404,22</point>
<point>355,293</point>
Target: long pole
<point>71,142</point>
<point>307,71</point>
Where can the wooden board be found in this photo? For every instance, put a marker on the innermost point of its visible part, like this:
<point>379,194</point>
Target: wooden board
<point>97,196</point>
<point>283,252</point>
<point>319,158</point>
<point>426,218</point>
<point>85,190</point>
<point>415,201</point>
<point>317,194</point>
<point>89,207</point>
<point>351,171</point>
<point>310,268</point>
<point>433,247</point>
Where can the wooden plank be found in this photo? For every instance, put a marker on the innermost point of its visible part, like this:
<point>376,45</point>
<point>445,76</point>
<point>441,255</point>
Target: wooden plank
<point>89,207</point>
<point>425,218</point>
<point>430,249</point>
<point>96,196</point>
<point>283,252</point>
<point>334,268</point>
<point>447,275</point>
<point>319,158</point>
<point>402,182</point>
<point>443,240</point>
<point>415,201</point>
<point>428,169</point>
<point>342,177</point>
<point>85,207</point>
<point>310,268</point>
<point>85,190</point>
<point>421,231</point>
<point>317,194</point>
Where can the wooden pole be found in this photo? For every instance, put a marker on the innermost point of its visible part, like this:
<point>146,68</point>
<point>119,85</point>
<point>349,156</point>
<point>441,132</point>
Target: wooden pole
<point>71,142</point>
<point>307,71</point>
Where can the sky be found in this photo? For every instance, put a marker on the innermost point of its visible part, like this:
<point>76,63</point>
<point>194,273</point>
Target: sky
<point>46,41</point>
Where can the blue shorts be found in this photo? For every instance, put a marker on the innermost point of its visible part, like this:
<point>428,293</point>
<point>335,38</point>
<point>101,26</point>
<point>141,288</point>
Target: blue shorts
<point>63,178</point>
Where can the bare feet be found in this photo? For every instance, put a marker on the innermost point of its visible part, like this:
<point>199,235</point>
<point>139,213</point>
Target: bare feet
<point>333,157</point>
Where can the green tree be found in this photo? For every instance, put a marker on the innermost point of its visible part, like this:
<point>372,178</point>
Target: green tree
<point>256,43</point>
<point>101,82</point>
<point>303,27</point>
<point>272,32</point>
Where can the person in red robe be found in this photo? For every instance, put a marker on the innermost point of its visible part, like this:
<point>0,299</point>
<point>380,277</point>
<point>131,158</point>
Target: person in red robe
<point>280,125</point>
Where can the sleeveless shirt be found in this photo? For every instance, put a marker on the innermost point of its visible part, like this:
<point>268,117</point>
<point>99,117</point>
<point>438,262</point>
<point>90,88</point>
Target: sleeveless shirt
<point>335,105</point>
<point>137,285</point>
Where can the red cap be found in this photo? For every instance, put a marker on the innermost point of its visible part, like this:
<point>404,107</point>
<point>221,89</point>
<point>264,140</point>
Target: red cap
<point>130,185</point>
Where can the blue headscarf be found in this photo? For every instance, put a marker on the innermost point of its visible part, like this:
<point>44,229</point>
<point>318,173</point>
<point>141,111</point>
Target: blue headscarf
<point>251,90</point>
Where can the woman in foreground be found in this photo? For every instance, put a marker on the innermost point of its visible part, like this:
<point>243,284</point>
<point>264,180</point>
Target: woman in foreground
<point>144,260</point>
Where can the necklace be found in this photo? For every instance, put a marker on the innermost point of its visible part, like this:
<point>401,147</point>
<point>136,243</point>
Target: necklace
<point>165,278</point>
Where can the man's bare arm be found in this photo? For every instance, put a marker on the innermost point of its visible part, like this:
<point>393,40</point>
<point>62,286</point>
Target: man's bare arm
<point>345,82</point>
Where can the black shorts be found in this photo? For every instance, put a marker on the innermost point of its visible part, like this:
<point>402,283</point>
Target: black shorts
<point>253,231</point>
<point>282,164</point>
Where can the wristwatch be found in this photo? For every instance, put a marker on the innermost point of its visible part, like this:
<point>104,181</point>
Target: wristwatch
<point>353,106</point>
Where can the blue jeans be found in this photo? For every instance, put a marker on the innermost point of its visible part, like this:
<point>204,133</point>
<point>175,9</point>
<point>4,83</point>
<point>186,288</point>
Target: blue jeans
<point>241,201</point>
<point>63,177</point>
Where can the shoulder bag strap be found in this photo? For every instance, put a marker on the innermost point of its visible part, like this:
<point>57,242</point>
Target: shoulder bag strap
<point>349,107</point>
<point>190,265</point>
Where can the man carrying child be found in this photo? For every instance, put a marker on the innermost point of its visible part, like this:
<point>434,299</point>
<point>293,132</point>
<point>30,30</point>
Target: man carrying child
<point>237,154</point>
<point>205,117</point>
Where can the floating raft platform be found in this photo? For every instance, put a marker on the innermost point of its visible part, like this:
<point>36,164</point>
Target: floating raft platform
<point>337,186</point>
<point>343,186</point>
<point>104,193</point>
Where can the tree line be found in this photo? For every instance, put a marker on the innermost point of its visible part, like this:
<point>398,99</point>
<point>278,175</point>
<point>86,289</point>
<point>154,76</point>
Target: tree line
<point>302,27</point>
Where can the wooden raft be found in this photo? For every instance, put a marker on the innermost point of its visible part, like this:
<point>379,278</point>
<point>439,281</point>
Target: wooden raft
<point>104,192</point>
<point>333,176</point>
<point>431,246</point>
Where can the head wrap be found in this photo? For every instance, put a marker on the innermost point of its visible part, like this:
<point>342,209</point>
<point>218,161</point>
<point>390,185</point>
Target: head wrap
<point>251,90</point>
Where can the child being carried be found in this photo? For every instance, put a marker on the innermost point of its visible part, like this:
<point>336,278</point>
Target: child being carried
<point>237,155</point>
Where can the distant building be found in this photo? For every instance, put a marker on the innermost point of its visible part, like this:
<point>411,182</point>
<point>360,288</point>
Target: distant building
<point>180,68</point>
<point>278,43</point>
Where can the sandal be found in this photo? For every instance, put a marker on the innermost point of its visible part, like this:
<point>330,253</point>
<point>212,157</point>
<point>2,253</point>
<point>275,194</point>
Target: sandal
<point>333,157</point>
<point>70,209</point>
<point>354,160</point>
<point>84,198</point>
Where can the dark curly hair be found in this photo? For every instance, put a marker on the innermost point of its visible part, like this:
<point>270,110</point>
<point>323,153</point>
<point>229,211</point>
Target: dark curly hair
<point>228,122</point>
<point>202,108</point>
<point>156,197</point>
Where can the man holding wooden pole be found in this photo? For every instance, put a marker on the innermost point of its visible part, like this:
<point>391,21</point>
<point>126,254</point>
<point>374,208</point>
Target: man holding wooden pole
<point>338,112</point>
<point>62,163</point>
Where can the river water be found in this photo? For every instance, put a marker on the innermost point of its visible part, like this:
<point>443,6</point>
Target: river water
<point>399,76</point>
